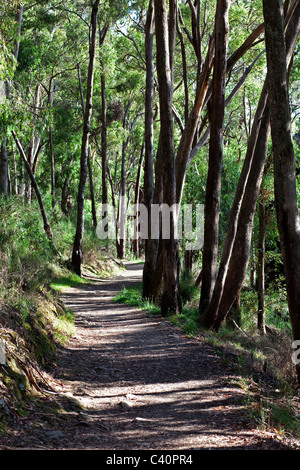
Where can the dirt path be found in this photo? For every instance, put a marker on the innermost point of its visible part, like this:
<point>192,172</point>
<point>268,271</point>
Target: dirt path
<point>141,384</point>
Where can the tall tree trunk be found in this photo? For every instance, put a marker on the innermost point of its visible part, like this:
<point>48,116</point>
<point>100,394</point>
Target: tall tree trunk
<point>77,246</point>
<point>241,242</point>
<point>237,244</point>
<point>121,242</point>
<point>189,144</point>
<point>135,243</point>
<point>153,283</point>
<point>4,183</point>
<point>52,166</point>
<point>150,244</point>
<point>213,186</point>
<point>94,214</point>
<point>104,198</point>
<point>16,185</point>
<point>187,138</point>
<point>47,226</point>
<point>103,152</point>
<point>170,297</point>
<point>236,250</point>
<point>92,190</point>
<point>3,167</point>
<point>284,159</point>
<point>19,18</point>
<point>64,196</point>
<point>261,266</point>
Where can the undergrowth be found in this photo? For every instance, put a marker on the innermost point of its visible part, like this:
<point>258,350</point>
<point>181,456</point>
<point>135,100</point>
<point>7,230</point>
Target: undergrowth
<point>34,323</point>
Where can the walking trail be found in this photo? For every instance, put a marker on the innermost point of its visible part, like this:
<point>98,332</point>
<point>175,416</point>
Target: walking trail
<point>141,384</point>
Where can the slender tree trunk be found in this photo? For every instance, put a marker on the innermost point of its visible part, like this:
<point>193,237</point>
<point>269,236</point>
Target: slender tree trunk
<point>19,17</point>
<point>284,159</point>
<point>189,144</point>
<point>135,243</point>
<point>92,190</point>
<point>150,244</point>
<point>236,251</point>
<point>47,226</point>
<point>16,185</point>
<point>4,183</point>
<point>3,168</point>
<point>94,214</point>
<point>103,152</point>
<point>103,139</point>
<point>184,70</point>
<point>64,196</point>
<point>261,267</point>
<point>170,297</point>
<point>153,283</point>
<point>186,141</point>
<point>121,243</point>
<point>213,186</point>
<point>52,166</point>
<point>241,243</point>
<point>77,246</point>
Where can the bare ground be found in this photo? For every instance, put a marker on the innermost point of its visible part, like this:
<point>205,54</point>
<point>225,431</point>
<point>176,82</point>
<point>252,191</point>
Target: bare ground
<point>140,385</point>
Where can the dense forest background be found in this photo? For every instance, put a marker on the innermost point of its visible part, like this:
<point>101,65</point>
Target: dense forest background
<point>155,102</point>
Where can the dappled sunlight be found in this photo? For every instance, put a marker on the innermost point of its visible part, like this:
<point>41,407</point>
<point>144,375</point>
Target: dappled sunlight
<point>143,384</point>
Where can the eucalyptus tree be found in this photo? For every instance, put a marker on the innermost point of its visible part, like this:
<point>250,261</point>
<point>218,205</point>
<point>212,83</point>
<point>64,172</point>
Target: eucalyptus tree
<point>213,186</point>
<point>236,252</point>
<point>192,110</point>
<point>10,29</point>
<point>77,255</point>
<point>151,244</point>
<point>283,153</point>
<point>170,297</point>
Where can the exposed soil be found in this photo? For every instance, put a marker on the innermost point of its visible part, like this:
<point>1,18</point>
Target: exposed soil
<point>129,380</point>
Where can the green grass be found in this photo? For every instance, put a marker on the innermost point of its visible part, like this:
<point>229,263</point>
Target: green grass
<point>133,296</point>
<point>186,320</point>
<point>71,280</point>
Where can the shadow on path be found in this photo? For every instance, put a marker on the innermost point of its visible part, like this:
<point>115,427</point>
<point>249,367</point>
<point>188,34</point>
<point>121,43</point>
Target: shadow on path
<point>133,381</point>
<point>143,384</point>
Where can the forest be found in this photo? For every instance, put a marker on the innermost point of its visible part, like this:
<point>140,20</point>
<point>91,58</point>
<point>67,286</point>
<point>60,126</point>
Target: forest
<point>130,105</point>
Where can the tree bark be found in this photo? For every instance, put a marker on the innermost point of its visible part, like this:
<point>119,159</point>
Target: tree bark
<point>236,250</point>
<point>189,144</point>
<point>240,244</point>
<point>103,153</point>
<point>235,254</point>
<point>186,141</point>
<point>213,185</point>
<point>170,297</point>
<point>4,172</point>
<point>77,246</point>
<point>92,193</point>
<point>135,242</point>
<point>3,168</point>
<point>150,244</point>
<point>52,166</point>
<point>92,190</point>
<point>261,267</point>
<point>104,198</point>
<point>121,241</point>
<point>284,159</point>
<point>34,183</point>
